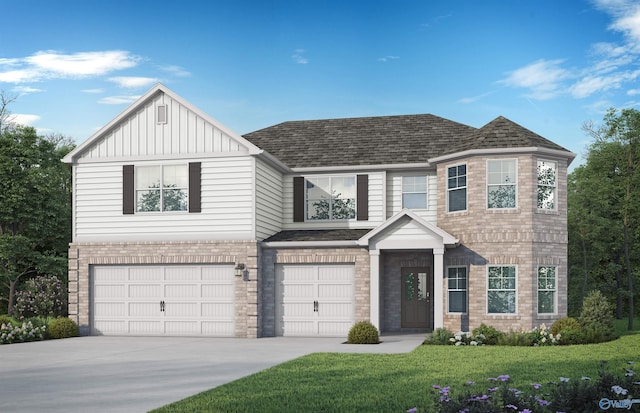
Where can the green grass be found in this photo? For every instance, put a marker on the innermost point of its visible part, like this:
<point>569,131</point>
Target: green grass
<point>332,382</point>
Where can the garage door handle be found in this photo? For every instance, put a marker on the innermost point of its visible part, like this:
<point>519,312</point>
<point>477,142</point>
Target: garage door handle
<point>162,306</point>
<point>315,306</point>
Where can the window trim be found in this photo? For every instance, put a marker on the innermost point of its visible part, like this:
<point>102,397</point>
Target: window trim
<point>555,187</point>
<point>466,290</point>
<point>162,166</point>
<point>330,176</point>
<point>465,187</point>
<point>515,184</point>
<point>426,191</point>
<point>515,290</point>
<point>554,290</point>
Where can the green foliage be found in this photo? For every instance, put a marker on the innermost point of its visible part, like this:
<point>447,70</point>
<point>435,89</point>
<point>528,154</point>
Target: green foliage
<point>363,332</point>
<point>41,296</point>
<point>517,338</point>
<point>10,333</point>
<point>596,318</point>
<point>491,334</point>
<point>440,336</point>
<point>563,324</point>
<point>63,328</point>
<point>5,319</point>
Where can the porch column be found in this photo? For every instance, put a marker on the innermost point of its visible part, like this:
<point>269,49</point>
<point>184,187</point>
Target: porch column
<point>374,288</point>
<point>438,287</point>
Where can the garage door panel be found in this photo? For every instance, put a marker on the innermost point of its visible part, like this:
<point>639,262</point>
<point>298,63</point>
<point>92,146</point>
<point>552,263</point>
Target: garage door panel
<point>333,291</point>
<point>303,309</point>
<point>127,300</point>
<point>334,328</point>
<point>299,273</point>
<point>335,273</point>
<point>336,310</point>
<point>299,291</point>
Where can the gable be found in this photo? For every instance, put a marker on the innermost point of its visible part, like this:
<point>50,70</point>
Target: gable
<point>160,125</point>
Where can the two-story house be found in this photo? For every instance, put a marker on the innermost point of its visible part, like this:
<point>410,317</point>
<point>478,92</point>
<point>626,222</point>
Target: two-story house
<point>183,227</point>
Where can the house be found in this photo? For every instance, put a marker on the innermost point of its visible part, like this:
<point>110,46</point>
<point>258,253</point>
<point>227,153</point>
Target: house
<point>183,227</point>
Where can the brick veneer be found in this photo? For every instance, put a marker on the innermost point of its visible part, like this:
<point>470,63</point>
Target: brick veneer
<point>247,300</point>
<point>525,237</point>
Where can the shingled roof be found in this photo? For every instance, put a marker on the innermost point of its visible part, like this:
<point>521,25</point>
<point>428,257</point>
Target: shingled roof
<point>387,140</point>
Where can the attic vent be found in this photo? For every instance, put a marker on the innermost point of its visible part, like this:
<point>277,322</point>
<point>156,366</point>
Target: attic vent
<point>161,114</point>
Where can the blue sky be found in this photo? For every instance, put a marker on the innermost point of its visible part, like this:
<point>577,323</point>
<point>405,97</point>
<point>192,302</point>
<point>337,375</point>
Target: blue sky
<point>548,65</point>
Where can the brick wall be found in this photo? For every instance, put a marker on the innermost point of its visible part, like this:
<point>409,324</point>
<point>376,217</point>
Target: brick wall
<point>247,300</point>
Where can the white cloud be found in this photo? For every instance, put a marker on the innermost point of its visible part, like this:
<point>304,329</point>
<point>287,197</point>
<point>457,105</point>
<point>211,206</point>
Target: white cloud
<point>118,100</point>
<point>26,89</point>
<point>387,58</point>
<point>472,99</point>
<point>96,91</point>
<point>592,84</point>
<point>633,92</point>
<point>56,65</point>
<point>132,81</point>
<point>176,70</point>
<point>298,58</point>
<point>544,78</point>
<point>24,119</point>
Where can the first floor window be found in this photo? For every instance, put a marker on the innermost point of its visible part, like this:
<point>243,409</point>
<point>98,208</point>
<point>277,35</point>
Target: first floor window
<point>501,183</point>
<point>414,192</point>
<point>546,290</point>
<point>457,286</point>
<point>501,291</point>
<point>330,198</point>
<point>162,188</point>
<point>457,188</point>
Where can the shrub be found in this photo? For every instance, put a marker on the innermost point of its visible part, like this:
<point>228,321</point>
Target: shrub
<point>63,328</point>
<point>10,333</point>
<point>5,319</point>
<point>571,335</point>
<point>363,332</point>
<point>491,334</point>
<point>542,336</point>
<point>596,318</point>
<point>564,323</point>
<point>440,336</point>
<point>41,296</point>
<point>517,338</point>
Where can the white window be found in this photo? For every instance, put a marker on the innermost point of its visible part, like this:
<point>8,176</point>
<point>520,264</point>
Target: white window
<point>414,192</point>
<point>501,183</point>
<point>457,287</point>
<point>546,185</point>
<point>546,290</point>
<point>457,188</point>
<point>501,291</point>
<point>162,188</point>
<point>330,198</point>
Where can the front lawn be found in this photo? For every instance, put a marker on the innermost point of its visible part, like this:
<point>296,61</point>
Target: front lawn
<point>332,382</point>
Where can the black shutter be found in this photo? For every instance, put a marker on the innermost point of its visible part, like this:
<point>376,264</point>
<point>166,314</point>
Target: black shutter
<point>298,199</point>
<point>194,187</point>
<point>362,189</point>
<point>128,190</point>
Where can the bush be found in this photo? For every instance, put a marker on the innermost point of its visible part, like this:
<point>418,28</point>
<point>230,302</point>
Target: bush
<point>41,296</point>
<point>517,338</point>
<point>5,319</point>
<point>10,333</point>
<point>565,323</point>
<point>63,328</point>
<point>596,318</point>
<point>363,332</point>
<point>440,336</point>
<point>491,334</point>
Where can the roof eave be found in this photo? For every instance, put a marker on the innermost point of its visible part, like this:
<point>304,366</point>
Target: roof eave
<point>308,244</point>
<point>504,151</point>
<point>395,166</point>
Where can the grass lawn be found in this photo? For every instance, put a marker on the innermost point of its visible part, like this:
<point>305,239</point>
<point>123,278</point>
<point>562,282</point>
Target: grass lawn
<point>336,382</point>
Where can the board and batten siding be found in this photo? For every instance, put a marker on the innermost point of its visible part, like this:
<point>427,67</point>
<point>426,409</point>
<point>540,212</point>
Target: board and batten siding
<point>394,195</point>
<point>227,205</point>
<point>268,200</point>
<point>377,204</point>
<point>141,135</point>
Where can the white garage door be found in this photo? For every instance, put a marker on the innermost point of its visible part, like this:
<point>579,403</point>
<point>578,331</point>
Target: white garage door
<point>189,300</point>
<point>314,300</point>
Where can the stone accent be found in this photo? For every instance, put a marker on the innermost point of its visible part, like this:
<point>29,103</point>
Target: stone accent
<point>247,300</point>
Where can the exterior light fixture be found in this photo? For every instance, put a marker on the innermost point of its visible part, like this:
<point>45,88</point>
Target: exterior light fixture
<point>239,269</point>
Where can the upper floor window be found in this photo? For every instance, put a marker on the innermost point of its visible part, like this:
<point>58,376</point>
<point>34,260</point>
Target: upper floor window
<point>162,188</point>
<point>501,183</point>
<point>414,192</point>
<point>457,187</point>
<point>330,198</point>
<point>457,287</point>
<point>546,185</point>
<point>546,290</point>
<point>501,291</point>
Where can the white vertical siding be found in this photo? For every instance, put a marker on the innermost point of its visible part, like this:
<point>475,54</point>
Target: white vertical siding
<point>227,205</point>
<point>394,195</point>
<point>139,135</point>
<point>268,200</point>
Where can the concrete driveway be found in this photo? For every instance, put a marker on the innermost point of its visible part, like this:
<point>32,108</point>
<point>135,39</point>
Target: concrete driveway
<point>137,374</point>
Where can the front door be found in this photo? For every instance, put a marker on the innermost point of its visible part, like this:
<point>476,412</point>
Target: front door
<point>417,292</point>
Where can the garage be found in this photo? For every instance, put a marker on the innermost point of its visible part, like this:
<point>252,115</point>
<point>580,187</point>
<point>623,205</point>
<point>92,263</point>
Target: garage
<point>314,300</point>
<point>156,300</point>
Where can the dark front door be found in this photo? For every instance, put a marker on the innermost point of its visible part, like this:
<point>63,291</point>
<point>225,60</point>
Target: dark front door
<point>417,293</point>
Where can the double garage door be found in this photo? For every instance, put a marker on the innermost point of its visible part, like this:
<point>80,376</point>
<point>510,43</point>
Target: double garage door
<point>314,300</point>
<point>184,300</point>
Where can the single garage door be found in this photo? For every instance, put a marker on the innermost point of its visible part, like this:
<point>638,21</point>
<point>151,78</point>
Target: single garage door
<point>314,300</point>
<point>182,300</point>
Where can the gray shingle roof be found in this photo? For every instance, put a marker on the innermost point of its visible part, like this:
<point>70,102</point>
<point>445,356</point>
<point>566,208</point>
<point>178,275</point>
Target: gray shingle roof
<point>318,235</point>
<point>385,140</point>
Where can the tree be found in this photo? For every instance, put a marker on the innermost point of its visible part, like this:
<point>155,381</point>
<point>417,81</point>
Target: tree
<point>35,207</point>
<point>613,167</point>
